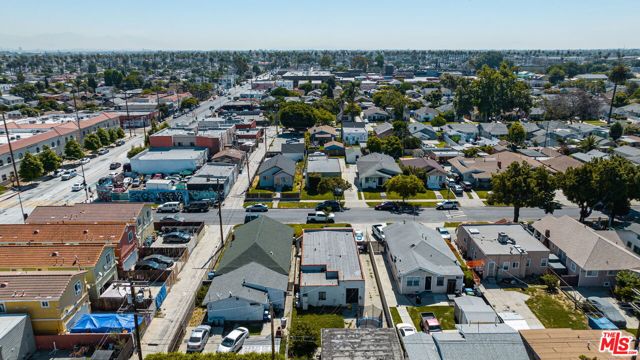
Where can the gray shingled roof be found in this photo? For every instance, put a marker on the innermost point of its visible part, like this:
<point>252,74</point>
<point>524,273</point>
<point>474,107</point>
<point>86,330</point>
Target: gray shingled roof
<point>414,246</point>
<point>282,162</point>
<point>239,283</point>
<point>377,162</point>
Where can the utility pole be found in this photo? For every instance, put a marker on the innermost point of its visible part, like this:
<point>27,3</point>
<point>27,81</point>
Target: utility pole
<point>126,104</point>
<point>273,336</point>
<point>220,195</point>
<point>15,169</point>
<point>135,319</point>
<point>84,179</point>
<point>246,157</point>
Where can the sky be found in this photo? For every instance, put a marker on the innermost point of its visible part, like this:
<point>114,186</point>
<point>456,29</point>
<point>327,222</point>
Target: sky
<point>318,24</point>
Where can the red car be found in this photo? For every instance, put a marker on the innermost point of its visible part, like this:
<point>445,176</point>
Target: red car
<point>157,177</point>
<point>429,322</point>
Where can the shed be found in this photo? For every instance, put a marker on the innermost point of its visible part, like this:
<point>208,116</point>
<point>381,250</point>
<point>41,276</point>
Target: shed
<point>473,310</point>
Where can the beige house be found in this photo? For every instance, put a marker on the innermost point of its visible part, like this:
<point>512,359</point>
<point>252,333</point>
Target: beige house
<point>502,250</point>
<point>590,258</point>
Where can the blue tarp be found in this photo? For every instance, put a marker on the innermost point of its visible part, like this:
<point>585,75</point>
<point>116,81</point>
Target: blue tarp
<point>105,323</point>
<point>162,294</point>
<point>601,324</point>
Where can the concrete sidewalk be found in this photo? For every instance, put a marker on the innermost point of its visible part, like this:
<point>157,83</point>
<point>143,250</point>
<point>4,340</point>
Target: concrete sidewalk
<point>351,196</point>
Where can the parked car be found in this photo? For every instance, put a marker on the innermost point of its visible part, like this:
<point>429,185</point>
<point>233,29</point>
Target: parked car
<point>114,165</point>
<point>387,205</point>
<point>329,204</point>
<point>176,237</point>
<point>198,339</point>
<point>406,329</point>
<point>444,233</point>
<point>457,189</point>
<point>171,206</point>
<point>429,322</point>
<point>114,173</point>
<point>197,206</point>
<point>234,340</point>
<point>84,160</point>
<point>149,265</point>
<point>77,187</point>
<point>172,218</point>
<point>127,181</point>
<point>69,174</point>
<point>136,183</point>
<point>160,259</point>
<point>320,217</point>
<point>103,151</point>
<point>257,208</point>
<point>378,231</point>
<point>120,142</point>
<point>359,235</point>
<point>447,205</point>
<point>251,217</point>
<point>608,310</point>
<point>467,186</point>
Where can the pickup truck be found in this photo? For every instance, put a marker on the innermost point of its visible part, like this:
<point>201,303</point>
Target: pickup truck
<point>429,322</point>
<point>320,217</point>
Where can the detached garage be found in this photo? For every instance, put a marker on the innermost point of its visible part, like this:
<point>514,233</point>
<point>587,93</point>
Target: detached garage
<point>473,310</point>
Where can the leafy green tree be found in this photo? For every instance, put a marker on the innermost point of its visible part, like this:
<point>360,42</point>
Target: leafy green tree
<point>92,142</point>
<point>463,100</point>
<point>113,77</point>
<point>379,59</point>
<point>438,121</point>
<point>30,168</point>
<point>121,133</point>
<point>519,185</point>
<point>616,130</point>
<point>352,109</point>
<point>360,62</point>
<point>626,282</point>
<point>618,183</point>
<point>297,115</point>
<point>306,87</point>
<point>49,159</point>
<point>390,97</point>
<point>325,61</point>
<point>135,150</point>
<point>392,146</point>
<point>578,186</point>
<point>517,134</point>
<point>282,92</point>
<point>73,150</point>
<point>621,99</point>
<point>491,59</point>
<point>618,75</point>
<point>189,103</point>
<point>589,143</point>
<point>556,75</point>
<point>331,184</point>
<point>405,185</point>
<point>551,281</point>
<point>104,137</point>
<point>113,135</point>
<point>374,144</point>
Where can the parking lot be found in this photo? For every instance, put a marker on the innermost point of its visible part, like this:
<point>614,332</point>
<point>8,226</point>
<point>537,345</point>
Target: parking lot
<point>260,343</point>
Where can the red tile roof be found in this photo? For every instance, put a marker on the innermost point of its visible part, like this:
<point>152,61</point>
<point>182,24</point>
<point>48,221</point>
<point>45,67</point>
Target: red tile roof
<point>61,233</point>
<point>35,285</point>
<point>50,256</point>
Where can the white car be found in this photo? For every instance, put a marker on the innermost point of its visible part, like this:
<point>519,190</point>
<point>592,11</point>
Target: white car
<point>198,339</point>
<point>77,187</point>
<point>84,160</point>
<point>127,181</point>
<point>447,205</point>
<point>234,340</point>
<point>444,233</point>
<point>68,175</point>
<point>359,236</point>
<point>405,329</point>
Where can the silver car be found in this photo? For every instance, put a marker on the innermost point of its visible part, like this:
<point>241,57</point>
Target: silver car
<point>198,339</point>
<point>234,340</point>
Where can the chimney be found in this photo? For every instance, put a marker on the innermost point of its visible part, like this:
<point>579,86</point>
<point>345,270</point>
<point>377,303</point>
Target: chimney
<point>547,233</point>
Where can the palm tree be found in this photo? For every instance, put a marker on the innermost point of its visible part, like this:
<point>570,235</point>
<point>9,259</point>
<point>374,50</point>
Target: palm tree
<point>618,75</point>
<point>589,143</point>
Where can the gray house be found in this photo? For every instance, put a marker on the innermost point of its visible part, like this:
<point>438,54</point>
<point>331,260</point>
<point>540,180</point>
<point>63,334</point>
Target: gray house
<point>277,172</point>
<point>294,151</point>
<point>375,169</point>
<point>494,129</point>
<point>420,259</point>
<point>323,165</point>
<point>422,131</point>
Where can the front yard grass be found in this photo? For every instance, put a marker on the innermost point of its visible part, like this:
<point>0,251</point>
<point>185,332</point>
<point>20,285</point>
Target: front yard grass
<point>296,205</point>
<point>554,310</point>
<point>443,313</point>
<point>395,315</point>
<point>370,195</point>
<point>297,228</point>
<point>483,194</point>
<point>304,195</point>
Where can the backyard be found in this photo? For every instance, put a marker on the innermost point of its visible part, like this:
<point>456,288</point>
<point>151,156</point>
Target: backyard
<point>443,313</point>
<point>314,320</point>
<point>554,310</point>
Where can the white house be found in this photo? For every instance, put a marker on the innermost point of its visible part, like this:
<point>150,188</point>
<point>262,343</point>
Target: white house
<point>354,135</point>
<point>375,169</point>
<point>11,100</point>
<point>420,260</point>
<point>330,269</point>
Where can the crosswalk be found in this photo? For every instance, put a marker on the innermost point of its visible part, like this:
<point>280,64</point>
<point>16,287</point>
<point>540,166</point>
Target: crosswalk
<point>455,214</point>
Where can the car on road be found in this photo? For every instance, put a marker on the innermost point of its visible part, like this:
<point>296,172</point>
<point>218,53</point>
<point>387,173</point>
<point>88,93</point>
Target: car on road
<point>447,205</point>
<point>84,160</point>
<point>103,151</point>
<point>406,329</point>
<point>387,205</point>
<point>234,340</point>
<point>176,237</point>
<point>77,187</point>
<point>257,208</point>
<point>444,233</point>
<point>320,217</point>
<point>149,265</point>
<point>197,206</point>
<point>198,339</point>
<point>114,165</point>
<point>467,186</point>
<point>171,206</point>
<point>160,259</point>
<point>359,235</point>
<point>172,218</point>
<point>606,307</point>
<point>69,174</point>
<point>429,322</point>
<point>329,204</point>
<point>120,142</point>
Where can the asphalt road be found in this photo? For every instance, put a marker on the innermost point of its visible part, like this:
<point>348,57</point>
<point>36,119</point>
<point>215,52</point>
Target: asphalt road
<point>369,215</point>
<point>57,192</point>
<point>203,110</point>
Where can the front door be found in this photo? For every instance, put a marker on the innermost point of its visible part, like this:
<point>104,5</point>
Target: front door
<point>492,269</point>
<point>352,296</point>
<point>451,286</point>
<point>427,283</point>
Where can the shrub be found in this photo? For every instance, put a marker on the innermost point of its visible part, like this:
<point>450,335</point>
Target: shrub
<point>551,282</point>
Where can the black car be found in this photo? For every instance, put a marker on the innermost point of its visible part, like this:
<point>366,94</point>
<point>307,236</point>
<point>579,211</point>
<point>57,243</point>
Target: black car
<point>197,206</point>
<point>329,204</point>
<point>114,165</point>
<point>387,205</point>
<point>149,265</point>
<point>176,237</point>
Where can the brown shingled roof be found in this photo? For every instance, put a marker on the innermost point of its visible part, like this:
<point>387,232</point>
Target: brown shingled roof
<point>50,256</point>
<point>86,213</point>
<point>61,233</point>
<point>35,285</point>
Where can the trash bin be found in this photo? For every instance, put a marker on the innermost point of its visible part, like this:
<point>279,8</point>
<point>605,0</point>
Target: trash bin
<point>283,322</point>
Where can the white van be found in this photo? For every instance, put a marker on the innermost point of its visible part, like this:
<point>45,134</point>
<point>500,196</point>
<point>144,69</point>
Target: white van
<point>172,206</point>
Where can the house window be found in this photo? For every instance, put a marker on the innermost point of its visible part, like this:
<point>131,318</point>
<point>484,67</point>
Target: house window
<point>130,236</point>
<point>515,265</point>
<point>543,262</point>
<point>322,295</point>
<point>108,258</point>
<point>3,308</point>
<point>592,273</point>
<point>413,281</point>
<point>78,288</point>
<point>44,304</point>
<point>505,266</point>
<point>611,273</point>
<point>572,266</point>
<point>528,262</point>
<point>440,281</point>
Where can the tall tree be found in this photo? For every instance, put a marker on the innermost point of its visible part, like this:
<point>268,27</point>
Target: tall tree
<point>519,185</point>
<point>104,137</point>
<point>73,150</point>
<point>618,75</point>
<point>297,115</point>
<point>517,134</point>
<point>618,183</point>
<point>392,146</point>
<point>49,159</point>
<point>374,144</point>
<point>589,143</point>
<point>463,100</point>
<point>30,168</point>
<point>92,142</point>
<point>616,130</point>
<point>405,186</point>
<point>579,187</point>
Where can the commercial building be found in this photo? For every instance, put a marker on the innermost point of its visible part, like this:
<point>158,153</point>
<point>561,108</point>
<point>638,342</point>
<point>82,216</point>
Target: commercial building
<point>213,140</point>
<point>168,161</point>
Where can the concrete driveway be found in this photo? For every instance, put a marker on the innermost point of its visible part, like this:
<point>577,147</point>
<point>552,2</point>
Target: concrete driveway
<point>511,301</point>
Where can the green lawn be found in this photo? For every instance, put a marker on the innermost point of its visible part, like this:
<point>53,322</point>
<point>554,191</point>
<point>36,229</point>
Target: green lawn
<point>261,191</point>
<point>443,313</point>
<point>317,320</point>
<point>359,195</point>
<point>369,195</point>
<point>304,195</point>
<point>483,194</point>
<point>595,122</point>
<point>299,227</point>
<point>442,144</point>
<point>494,204</point>
<point>2,189</point>
<point>554,310</point>
<point>296,205</point>
<point>395,315</point>
<point>247,203</point>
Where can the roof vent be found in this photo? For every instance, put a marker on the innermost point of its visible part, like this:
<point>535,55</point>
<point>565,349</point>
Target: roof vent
<point>503,238</point>
<point>36,231</point>
<point>4,285</point>
<point>55,254</point>
<point>412,245</point>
